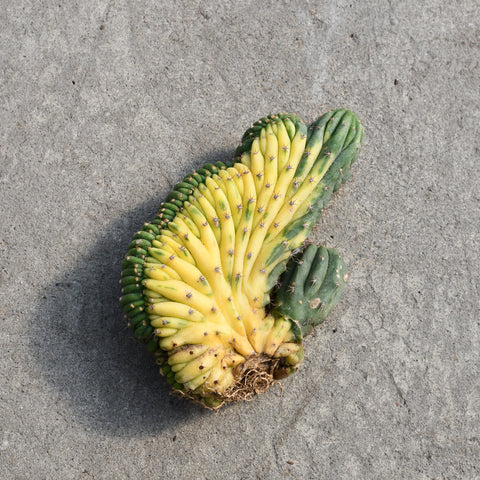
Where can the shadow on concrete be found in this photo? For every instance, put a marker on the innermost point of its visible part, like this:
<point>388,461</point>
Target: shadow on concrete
<point>84,349</point>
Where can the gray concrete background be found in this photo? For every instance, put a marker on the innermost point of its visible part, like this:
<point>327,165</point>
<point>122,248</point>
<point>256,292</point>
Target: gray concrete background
<point>105,105</point>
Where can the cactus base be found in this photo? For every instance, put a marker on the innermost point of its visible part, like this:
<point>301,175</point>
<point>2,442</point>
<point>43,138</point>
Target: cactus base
<point>254,376</point>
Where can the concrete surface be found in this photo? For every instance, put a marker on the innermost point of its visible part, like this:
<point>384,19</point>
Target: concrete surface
<point>105,105</point>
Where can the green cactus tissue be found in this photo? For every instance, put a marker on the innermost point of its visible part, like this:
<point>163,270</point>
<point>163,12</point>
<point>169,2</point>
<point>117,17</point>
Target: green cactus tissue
<point>220,286</point>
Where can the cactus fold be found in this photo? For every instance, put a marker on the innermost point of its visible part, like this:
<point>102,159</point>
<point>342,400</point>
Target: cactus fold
<point>197,281</point>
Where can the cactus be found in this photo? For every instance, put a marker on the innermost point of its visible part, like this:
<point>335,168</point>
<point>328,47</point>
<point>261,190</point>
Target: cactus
<point>310,288</point>
<point>197,280</point>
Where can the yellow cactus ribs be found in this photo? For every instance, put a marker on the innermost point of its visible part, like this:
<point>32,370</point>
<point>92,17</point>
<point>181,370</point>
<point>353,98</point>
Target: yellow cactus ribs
<point>197,281</point>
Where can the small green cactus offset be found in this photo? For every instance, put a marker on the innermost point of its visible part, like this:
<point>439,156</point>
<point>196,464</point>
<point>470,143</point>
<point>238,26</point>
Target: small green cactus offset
<point>311,287</point>
<point>220,286</point>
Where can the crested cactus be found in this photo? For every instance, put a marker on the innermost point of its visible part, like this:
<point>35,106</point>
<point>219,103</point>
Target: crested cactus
<point>197,281</point>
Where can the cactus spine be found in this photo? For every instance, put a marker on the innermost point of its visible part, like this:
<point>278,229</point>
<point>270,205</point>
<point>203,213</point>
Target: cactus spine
<point>197,280</point>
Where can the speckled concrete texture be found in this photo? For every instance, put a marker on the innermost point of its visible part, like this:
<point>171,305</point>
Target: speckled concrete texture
<point>105,105</point>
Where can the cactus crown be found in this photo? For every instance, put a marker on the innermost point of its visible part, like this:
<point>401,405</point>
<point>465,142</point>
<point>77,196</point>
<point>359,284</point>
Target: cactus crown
<point>196,281</point>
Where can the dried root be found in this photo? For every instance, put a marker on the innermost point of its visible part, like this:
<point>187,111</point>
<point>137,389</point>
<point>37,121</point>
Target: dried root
<point>252,377</point>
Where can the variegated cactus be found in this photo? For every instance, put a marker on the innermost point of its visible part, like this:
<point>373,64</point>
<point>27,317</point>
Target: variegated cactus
<point>197,281</point>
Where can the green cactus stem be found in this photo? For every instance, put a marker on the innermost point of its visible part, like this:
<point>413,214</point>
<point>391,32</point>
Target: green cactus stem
<point>311,287</point>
